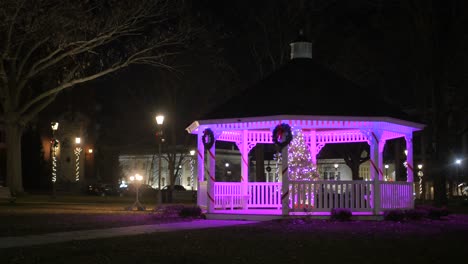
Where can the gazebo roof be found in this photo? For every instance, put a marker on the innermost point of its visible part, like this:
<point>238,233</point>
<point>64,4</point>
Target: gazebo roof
<point>303,87</point>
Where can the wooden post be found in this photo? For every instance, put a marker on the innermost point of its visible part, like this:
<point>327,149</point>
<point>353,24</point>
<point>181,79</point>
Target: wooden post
<point>200,169</point>
<point>244,167</point>
<point>211,178</point>
<point>409,158</point>
<point>285,181</point>
<point>313,146</point>
<point>409,165</point>
<point>374,171</point>
<point>380,164</point>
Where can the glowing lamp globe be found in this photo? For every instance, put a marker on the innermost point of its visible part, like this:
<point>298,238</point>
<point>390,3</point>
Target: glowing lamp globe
<point>159,119</point>
<point>138,177</point>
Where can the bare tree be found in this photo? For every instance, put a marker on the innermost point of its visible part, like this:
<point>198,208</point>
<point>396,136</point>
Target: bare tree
<point>47,46</point>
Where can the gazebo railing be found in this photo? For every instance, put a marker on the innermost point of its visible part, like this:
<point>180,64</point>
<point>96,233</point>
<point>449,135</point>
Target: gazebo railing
<point>322,196</point>
<point>264,195</point>
<point>313,196</point>
<point>396,195</point>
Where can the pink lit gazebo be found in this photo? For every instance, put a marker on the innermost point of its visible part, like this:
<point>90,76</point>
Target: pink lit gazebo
<point>328,109</point>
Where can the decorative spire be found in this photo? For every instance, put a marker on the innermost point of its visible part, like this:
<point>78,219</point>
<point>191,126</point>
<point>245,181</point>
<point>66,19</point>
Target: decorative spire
<point>301,47</point>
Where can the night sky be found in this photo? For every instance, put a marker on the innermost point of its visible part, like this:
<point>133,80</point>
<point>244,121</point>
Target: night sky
<point>398,49</point>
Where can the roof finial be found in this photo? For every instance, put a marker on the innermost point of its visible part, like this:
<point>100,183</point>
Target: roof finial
<point>301,47</point>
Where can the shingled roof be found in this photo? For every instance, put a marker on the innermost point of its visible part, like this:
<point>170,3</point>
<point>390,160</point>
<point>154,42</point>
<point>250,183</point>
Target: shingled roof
<point>303,87</point>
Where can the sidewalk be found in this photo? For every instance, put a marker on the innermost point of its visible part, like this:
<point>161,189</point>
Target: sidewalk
<point>23,241</point>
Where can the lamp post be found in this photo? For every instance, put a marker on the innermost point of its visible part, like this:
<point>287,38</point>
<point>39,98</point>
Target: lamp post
<point>386,172</point>
<point>192,153</point>
<point>420,174</point>
<point>136,180</point>
<point>78,150</point>
<point>159,134</point>
<point>336,171</point>
<point>458,163</point>
<point>54,144</point>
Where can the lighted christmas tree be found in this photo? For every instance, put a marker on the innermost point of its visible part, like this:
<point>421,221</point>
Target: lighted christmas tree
<point>300,166</point>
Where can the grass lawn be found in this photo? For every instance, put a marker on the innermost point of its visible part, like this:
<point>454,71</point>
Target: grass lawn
<point>38,214</point>
<point>287,241</point>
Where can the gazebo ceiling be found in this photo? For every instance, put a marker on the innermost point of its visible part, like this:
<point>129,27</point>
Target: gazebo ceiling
<point>303,87</point>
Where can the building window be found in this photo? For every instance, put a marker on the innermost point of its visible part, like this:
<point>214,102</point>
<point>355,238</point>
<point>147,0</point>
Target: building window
<point>188,181</point>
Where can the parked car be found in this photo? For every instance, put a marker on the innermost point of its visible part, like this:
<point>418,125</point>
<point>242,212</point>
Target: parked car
<point>175,188</point>
<point>104,189</point>
<point>144,190</point>
<point>179,194</point>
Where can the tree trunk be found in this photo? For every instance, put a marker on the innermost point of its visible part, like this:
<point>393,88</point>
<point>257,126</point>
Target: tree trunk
<point>13,142</point>
<point>355,171</point>
<point>260,163</point>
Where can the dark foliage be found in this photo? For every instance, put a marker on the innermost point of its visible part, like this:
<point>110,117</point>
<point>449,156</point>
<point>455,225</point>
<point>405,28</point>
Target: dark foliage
<point>341,215</point>
<point>394,215</point>
<point>415,214</point>
<point>437,212</point>
<point>192,211</point>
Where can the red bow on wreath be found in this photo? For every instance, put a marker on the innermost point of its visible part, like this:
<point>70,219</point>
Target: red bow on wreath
<point>280,134</point>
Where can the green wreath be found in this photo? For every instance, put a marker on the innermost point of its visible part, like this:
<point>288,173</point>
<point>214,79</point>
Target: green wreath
<point>282,135</point>
<point>208,138</point>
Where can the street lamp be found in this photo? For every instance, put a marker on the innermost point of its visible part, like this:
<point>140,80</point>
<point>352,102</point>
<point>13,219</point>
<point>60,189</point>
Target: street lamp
<point>78,150</point>
<point>192,153</point>
<point>54,144</point>
<point>386,172</point>
<point>420,174</point>
<point>458,162</point>
<point>336,171</point>
<point>159,134</point>
<point>136,180</point>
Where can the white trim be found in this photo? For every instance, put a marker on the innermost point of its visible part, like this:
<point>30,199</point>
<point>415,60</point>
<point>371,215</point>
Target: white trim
<point>270,121</point>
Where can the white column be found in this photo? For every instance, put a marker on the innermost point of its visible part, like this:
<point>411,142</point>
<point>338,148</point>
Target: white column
<point>313,146</point>
<point>211,177</point>
<point>380,164</point>
<point>245,166</point>
<point>200,168</point>
<point>374,172</point>
<point>409,158</point>
<point>285,182</point>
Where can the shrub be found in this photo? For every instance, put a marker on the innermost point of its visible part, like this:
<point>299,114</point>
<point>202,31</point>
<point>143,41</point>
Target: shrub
<point>193,211</point>
<point>394,215</point>
<point>341,215</point>
<point>437,213</point>
<point>172,210</point>
<point>415,214</point>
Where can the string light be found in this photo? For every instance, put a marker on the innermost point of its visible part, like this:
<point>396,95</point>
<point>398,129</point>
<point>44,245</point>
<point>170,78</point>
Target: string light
<point>77,161</point>
<point>300,166</point>
<point>191,172</point>
<point>54,159</point>
<point>277,158</point>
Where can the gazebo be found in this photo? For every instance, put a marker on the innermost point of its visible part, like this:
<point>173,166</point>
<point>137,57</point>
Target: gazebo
<point>327,109</point>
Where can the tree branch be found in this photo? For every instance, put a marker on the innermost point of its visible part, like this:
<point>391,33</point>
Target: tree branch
<point>10,30</point>
<point>32,113</point>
